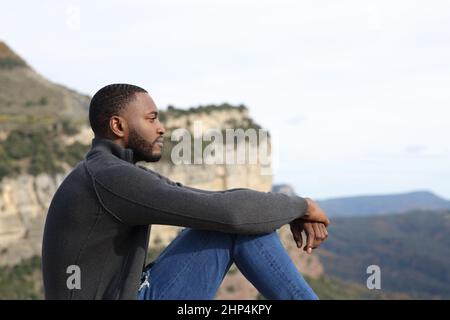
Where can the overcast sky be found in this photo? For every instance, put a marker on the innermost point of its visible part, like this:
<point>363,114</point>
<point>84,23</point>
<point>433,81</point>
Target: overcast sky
<point>356,92</point>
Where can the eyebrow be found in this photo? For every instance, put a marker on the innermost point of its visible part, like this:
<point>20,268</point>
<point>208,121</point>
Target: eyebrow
<point>152,113</point>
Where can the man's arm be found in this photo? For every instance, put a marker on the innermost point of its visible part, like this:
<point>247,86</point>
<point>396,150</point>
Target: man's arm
<point>139,197</point>
<point>313,212</point>
<point>174,183</point>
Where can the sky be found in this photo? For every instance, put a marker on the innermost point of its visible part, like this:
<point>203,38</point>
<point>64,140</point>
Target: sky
<point>355,93</point>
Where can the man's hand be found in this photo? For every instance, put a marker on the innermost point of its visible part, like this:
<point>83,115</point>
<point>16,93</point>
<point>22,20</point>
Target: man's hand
<point>315,213</point>
<point>315,232</point>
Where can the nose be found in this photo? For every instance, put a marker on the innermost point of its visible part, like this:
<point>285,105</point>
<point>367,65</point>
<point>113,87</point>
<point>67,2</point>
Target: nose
<point>161,129</point>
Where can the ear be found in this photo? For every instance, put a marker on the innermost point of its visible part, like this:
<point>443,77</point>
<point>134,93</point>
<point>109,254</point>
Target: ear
<point>118,125</point>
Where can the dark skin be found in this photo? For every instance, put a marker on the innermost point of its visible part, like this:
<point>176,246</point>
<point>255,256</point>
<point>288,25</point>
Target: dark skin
<point>315,233</point>
<point>138,127</point>
<point>313,225</point>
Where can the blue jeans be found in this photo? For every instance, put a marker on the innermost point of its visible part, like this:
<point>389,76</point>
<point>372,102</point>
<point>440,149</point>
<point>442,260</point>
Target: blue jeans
<point>194,264</point>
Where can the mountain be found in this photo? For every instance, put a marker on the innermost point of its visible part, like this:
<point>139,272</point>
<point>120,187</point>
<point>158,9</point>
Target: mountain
<point>284,188</point>
<point>382,204</point>
<point>356,206</point>
<point>27,98</point>
<point>411,249</point>
<point>36,119</point>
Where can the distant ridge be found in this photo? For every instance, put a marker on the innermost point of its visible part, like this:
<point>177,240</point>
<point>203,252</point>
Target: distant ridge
<point>383,204</point>
<point>367,205</point>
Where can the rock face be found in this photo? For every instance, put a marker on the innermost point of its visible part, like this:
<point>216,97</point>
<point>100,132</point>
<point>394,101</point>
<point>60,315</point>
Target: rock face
<point>24,202</point>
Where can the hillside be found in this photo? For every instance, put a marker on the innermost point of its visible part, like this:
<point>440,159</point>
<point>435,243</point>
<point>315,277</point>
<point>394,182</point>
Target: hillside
<point>35,116</point>
<point>383,204</point>
<point>28,98</point>
<point>412,250</point>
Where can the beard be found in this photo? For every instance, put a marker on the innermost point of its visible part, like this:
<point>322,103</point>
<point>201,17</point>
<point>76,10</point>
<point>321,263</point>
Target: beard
<point>142,149</point>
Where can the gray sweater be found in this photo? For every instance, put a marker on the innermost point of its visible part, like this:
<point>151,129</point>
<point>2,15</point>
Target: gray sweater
<point>100,217</point>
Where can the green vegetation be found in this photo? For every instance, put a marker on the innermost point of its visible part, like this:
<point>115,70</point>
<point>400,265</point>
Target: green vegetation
<point>176,112</point>
<point>10,63</point>
<point>6,165</point>
<point>247,123</point>
<point>330,288</point>
<point>36,151</point>
<point>74,153</point>
<point>16,121</point>
<point>22,281</point>
<point>43,101</point>
<point>69,128</point>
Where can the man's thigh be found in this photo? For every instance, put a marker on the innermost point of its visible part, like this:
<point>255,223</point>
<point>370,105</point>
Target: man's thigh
<point>191,267</point>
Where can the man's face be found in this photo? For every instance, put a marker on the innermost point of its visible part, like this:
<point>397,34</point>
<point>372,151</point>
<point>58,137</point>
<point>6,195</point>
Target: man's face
<point>145,136</point>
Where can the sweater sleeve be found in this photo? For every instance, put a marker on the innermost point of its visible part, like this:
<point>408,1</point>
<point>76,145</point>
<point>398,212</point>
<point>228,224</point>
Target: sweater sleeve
<point>140,197</point>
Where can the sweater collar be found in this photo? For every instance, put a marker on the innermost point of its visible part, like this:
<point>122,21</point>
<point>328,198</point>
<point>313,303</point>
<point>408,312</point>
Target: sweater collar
<point>107,145</point>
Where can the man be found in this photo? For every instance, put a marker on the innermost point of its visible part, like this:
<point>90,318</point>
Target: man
<point>98,224</point>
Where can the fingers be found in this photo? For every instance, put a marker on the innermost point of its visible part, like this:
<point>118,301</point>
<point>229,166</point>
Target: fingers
<point>294,234</point>
<point>300,241</point>
<point>296,229</point>
<point>325,231</point>
<point>316,233</point>
<point>310,237</point>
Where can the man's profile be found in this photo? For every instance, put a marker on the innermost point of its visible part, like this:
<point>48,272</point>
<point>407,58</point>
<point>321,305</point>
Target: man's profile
<point>100,219</point>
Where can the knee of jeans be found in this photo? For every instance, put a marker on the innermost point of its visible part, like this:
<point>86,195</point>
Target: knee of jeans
<point>211,238</point>
<point>222,239</point>
<point>272,234</point>
<point>256,238</point>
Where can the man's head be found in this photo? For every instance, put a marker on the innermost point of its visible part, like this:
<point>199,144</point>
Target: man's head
<point>127,115</point>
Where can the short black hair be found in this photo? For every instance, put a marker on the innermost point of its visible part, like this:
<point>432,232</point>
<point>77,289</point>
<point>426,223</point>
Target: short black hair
<point>109,101</point>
